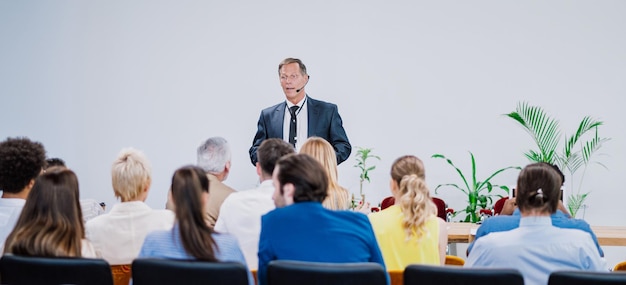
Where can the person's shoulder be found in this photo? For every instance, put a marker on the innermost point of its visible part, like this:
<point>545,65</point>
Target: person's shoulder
<point>98,221</point>
<point>322,103</point>
<point>571,224</point>
<point>273,107</point>
<point>163,213</point>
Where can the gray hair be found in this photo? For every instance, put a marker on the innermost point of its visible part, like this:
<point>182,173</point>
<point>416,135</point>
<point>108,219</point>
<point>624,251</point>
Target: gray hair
<point>213,155</point>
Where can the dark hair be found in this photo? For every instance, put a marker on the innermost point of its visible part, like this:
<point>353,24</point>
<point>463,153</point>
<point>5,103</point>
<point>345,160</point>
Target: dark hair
<point>51,222</point>
<point>290,60</point>
<point>270,151</point>
<point>538,188</point>
<point>188,183</point>
<point>307,176</point>
<point>21,160</point>
<point>50,162</point>
<point>558,170</point>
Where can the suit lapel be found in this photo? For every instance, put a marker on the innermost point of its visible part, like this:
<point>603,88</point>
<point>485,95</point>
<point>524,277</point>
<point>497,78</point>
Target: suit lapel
<point>313,112</point>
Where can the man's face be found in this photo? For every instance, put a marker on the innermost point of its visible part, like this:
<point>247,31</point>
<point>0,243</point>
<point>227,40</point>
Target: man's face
<point>280,199</point>
<point>291,80</point>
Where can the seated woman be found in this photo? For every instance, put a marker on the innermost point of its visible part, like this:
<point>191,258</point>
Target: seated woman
<point>537,248</point>
<point>410,232</point>
<point>191,237</point>
<point>51,222</point>
<point>338,197</point>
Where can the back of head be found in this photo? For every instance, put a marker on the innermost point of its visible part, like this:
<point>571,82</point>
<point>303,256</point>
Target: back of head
<point>307,176</point>
<point>415,201</point>
<point>538,189</point>
<point>21,160</point>
<point>407,165</point>
<point>213,155</point>
<point>130,174</point>
<point>51,222</point>
<point>323,152</point>
<point>290,60</point>
<point>270,151</point>
<point>189,183</point>
<point>55,161</point>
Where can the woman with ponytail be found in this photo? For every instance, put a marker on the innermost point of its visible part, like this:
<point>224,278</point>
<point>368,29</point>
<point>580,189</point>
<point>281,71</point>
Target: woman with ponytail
<point>191,238</point>
<point>537,248</point>
<point>410,232</point>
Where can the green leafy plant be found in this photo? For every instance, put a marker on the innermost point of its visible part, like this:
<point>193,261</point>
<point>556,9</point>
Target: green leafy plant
<point>575,154</point>
<point>362,156</point>
<point>479,193</point>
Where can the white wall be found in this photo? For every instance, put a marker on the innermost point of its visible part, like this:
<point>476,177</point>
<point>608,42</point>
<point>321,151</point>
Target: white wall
<point>87,78</point>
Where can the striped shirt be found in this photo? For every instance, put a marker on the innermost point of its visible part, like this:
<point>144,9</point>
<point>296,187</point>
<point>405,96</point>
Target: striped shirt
<point>167,244</point>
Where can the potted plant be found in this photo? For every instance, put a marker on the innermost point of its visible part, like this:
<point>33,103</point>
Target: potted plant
<point>362,155</point>
<point>479,192</point>
<point>574,155</point>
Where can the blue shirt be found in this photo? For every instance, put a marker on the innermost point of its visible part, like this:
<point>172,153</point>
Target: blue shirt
<point>506,223</point>
<point>306,231</point>
<point>167,244</point>
<point>537,248</point>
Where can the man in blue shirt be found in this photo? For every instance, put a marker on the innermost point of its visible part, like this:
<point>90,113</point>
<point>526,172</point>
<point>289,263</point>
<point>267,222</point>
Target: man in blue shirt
<point>301,229</point>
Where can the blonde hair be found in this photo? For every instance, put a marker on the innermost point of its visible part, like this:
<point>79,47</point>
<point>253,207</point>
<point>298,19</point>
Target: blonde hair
<point>322,151</point>
<point>130,174</point>
<point>415,201</point>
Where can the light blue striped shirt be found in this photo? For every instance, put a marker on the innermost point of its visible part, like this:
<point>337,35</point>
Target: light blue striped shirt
<point>167,244</point>
<point>536,249</point>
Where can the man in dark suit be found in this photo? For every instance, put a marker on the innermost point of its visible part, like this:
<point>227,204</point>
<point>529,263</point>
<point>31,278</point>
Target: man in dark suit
<point>300,228</point>
<point>300,116</point>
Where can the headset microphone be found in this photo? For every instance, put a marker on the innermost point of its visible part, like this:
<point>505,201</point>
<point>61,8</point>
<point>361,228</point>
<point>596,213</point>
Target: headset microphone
<point>307,82</point>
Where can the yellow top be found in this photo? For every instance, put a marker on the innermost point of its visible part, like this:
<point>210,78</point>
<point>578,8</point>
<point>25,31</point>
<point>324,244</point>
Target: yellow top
<point>398,252</point>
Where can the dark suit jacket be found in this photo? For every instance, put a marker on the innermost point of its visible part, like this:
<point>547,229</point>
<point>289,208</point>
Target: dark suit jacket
<point>324,121</point>
<point>306,231</point>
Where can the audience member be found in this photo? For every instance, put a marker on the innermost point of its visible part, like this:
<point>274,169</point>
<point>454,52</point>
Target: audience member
<point>240,214</point>
<point>118,235</point>
<point>301,229</point>
<point>537,248</point>
<point>21,161</point>
<point>191,237</point>
<point>89,207</point>
<point>510,217</point>
<point>410,232</point>
<point>51,223</point>
<point>214,157</point>
<point>338,197</point>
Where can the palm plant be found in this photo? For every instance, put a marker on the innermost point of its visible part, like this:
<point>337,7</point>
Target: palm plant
<point>575,155</point>
<point>475,189</point>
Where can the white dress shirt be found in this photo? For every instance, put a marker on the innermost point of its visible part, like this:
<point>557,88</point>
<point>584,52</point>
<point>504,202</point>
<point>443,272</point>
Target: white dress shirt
<point>10,210</point>
<point>302,124</point>
<point>118,235</point>
<point>240,216</point>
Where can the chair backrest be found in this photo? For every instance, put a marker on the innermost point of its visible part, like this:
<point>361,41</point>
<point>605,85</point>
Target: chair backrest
<point>441,207</point>
<point>287,272</point>
<point>586,277</point>
<point>121,274</point>
<point>387,202</point>
<point>497,207</point>
<point>189,272</point>
<point>437,275</point>
<point>54,270</point>
<point>454,260</point>
<point>620,266</point>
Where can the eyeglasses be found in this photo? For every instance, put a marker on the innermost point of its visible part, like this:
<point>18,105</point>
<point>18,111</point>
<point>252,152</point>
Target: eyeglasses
<point>290,77</point>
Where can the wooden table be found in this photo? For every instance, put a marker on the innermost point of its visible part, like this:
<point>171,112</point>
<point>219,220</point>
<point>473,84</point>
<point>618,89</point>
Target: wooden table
<point>607,235</point>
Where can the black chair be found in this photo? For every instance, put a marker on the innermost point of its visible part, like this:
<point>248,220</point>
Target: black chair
<point>288,272</point>
<point>188,272</point>
<point>437,275</point>
<point>54,270</point>
<point>586,277</point>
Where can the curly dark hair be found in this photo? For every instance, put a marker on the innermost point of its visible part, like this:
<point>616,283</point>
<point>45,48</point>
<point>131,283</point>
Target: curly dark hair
<point>21,160</point>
